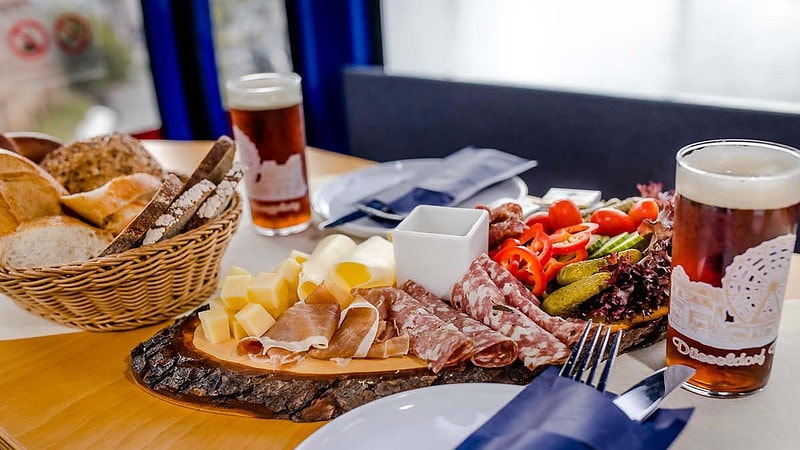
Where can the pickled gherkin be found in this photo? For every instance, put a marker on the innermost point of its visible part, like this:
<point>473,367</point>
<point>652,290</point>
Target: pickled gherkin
<point>575,271</point>
<point>563,301</point>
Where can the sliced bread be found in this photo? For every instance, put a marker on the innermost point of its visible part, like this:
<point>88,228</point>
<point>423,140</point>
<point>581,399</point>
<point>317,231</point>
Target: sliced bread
<point>146,219</point>
<point>219,200</point>
<point>98,205</point>
<point>180,211</point>
<point>27,191</point>
<point>215,164</point>
<point>50,241</point>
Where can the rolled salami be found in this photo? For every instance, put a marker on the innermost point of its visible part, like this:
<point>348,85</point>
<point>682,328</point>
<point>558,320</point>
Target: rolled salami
<point>491,348</point>
<point>477,295</point>
<point>430,338</point>
<point>567,331</point>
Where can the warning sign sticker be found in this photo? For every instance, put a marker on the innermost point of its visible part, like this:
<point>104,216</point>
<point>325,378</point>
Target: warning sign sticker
<point>28,39</point>
<point>72,33</point>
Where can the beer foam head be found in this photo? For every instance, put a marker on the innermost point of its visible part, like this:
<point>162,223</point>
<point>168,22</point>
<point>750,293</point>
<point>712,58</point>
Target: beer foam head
<point>264,91</point>
<point>739,174</point>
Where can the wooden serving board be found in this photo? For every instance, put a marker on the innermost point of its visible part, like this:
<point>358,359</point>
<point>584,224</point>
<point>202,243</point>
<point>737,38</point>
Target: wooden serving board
<point>179,365</point>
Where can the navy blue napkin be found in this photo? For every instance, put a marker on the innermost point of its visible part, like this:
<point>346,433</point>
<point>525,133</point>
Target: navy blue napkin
<point>557,413</point>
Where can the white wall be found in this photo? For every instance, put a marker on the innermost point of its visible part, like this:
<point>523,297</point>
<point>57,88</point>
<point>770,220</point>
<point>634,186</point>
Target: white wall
<point>741,53</point>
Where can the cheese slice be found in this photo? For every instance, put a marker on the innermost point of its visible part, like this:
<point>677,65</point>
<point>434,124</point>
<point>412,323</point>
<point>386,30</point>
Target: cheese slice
<point>289,269</point>
<point>327,253</point>
<point>271,291</point>
<point>255,319</point>
<point>234,291</point>
<point>299,256</point>
<point>215,325</point>
<point>370,264</point>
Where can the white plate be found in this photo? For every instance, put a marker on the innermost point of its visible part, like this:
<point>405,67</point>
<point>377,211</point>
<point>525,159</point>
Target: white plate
<point>336,198</point>
<point>436,417</point>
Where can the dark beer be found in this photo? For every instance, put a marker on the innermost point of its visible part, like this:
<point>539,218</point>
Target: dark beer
<point>735,221</point>
<point>267,115</point>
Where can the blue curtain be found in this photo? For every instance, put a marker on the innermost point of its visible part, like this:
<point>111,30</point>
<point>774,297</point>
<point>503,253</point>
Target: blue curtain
<point>326,36</point>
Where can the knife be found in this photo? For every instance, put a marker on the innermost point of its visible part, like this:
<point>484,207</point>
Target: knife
<point>643,398</point>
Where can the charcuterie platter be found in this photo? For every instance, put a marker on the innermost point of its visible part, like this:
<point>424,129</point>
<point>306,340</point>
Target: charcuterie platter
<point>327,332</point>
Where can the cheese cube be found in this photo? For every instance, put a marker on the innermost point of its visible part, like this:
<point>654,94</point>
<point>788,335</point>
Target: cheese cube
<point>290,269</point>
<point>236,270</point>
<point>237,330</point>
<point>218,304</point>
<point>234,291</point>
<point>255,319</point>
<point>215,325</point>
<point>271,291</point>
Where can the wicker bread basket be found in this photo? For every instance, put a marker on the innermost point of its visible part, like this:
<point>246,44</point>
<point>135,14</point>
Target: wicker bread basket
<point>137,287</point>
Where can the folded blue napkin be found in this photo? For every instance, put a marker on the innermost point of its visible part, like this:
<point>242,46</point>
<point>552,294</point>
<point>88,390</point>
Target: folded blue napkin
<point>558,413</point>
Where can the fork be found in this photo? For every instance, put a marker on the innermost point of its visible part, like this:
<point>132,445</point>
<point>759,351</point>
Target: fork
<point>579,360</point>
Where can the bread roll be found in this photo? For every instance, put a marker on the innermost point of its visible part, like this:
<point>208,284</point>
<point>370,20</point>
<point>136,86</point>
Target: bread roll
<point>88,164</point>
<point>30,144</point>
<point>50,241</point>
<point>98,205</point>
<point>26,191</point>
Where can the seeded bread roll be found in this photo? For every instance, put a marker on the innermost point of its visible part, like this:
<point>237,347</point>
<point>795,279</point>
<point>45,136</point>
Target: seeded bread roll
<point>88,164</point>
<point>50,241</point>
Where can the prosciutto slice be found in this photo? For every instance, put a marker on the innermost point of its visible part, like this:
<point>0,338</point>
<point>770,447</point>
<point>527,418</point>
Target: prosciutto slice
<point>477,295</point>
<point>430,338</point>
<point>393,346</point>
<point>358,327</point>
<point>490,349</point>
<point>299,328</point>
<point>567,331</point>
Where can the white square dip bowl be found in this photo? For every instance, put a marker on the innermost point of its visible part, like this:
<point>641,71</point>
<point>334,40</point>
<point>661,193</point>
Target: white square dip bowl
<point>435,245</point>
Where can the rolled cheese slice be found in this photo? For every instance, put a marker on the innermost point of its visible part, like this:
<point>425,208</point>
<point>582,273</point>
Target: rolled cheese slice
<point>327,253</point>
<point>369,264</point>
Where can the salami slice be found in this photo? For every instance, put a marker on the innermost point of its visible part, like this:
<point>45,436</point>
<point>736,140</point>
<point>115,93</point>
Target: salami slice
<point>491,348</point>
<point>477,295</point>
<point>567,331</point>
<point>500,231</point>
<point>430,338</point>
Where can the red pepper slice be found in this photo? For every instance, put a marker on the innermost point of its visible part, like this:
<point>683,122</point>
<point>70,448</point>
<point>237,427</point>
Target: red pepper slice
<point>555,264</point>
<point>537,240</point>
<point>509,242</point>
<point>572,238</point>
<point>523,263</point>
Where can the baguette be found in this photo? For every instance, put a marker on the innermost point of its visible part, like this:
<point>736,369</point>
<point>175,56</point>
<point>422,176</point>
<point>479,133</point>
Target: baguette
<point>180,211</point>
<point>215,164</point>
<point>219,200</point>
<point>26,192</point>
<point>98,205</point>
<point>138,227</point>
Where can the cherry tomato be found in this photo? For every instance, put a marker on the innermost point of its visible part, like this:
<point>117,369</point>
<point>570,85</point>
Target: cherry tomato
<point>541,217</point>
<point>612,221</point>
<point>564,213</point>
<point>646,208</point>
<point>572,238</point>
<point>524,265</point>
<point>537,240</point>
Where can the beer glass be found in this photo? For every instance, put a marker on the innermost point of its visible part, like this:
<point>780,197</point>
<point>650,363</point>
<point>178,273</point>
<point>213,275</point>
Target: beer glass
<point>736,211</point>
<point>267,114</point>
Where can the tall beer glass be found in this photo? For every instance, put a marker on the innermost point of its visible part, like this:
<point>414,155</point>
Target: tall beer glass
<point>736,212</point>
<point>267,114</point>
